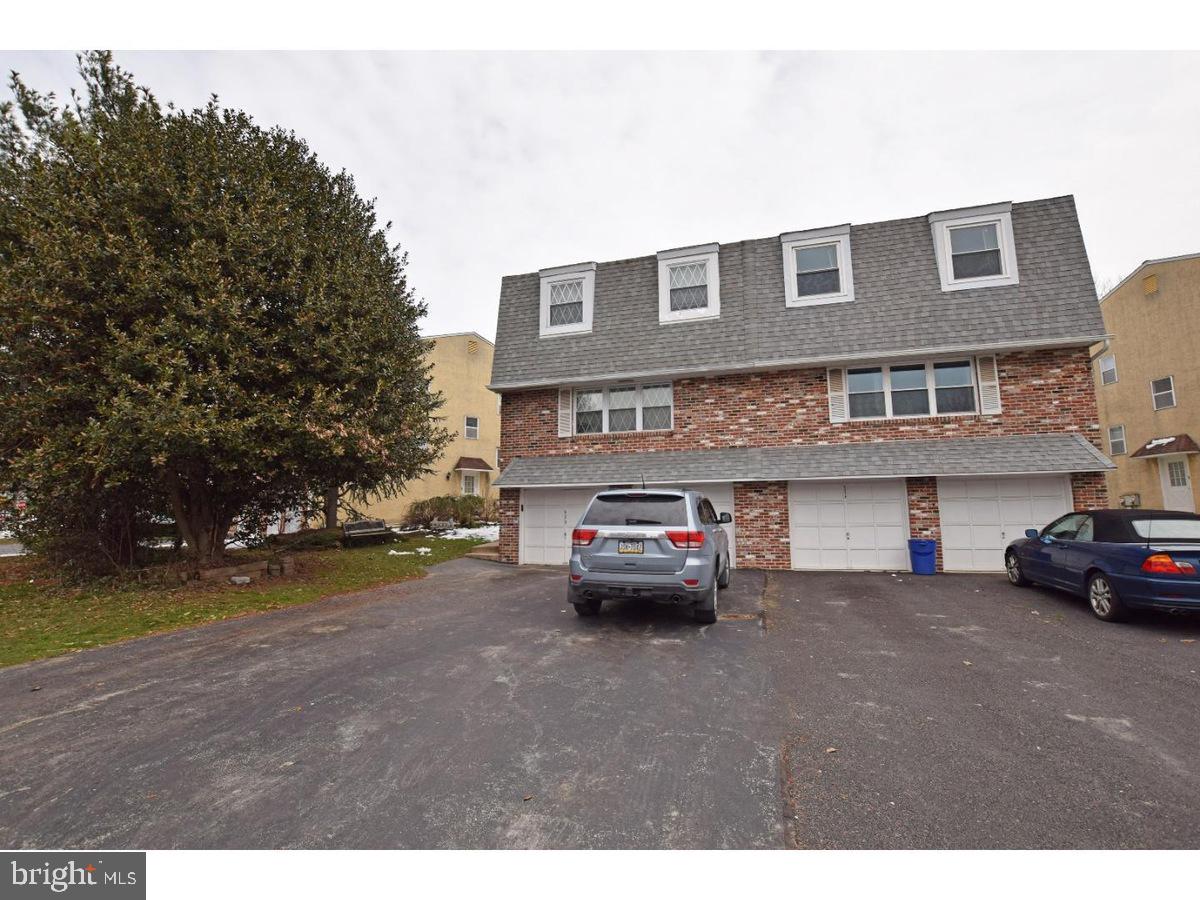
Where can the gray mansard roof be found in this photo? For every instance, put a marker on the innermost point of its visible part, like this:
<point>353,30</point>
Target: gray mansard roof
<point>1019,455</point>
<point>899,307</point>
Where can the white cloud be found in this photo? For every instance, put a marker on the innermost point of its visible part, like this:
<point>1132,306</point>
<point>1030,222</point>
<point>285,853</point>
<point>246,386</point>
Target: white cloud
<point>496,163</point>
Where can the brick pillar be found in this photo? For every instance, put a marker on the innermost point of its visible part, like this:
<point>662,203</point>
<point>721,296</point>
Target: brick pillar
<point>1089,490</point>
<point>924,517</point>
<point>510,511</point>
<point>763,541</point>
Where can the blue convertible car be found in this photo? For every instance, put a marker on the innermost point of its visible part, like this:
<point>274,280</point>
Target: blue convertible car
<point>1120,559</point>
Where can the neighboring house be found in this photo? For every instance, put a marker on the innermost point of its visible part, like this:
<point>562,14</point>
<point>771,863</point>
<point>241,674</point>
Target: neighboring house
<point>470,412</point>
<point>1148,384</point>
<point>837,389</point>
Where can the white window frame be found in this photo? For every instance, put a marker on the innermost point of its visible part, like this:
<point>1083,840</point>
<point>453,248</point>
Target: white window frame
<point>1111,367</point>
<point>839,236</point>
<point>998,214</point>
<point>1155,395</point>
<point>638,388</point>
<point>1112,443</point>
<point>930,389</point>
<point>474,491</point>
<point>467,428</point>
<point>709,254</point>
<point>585,272</point>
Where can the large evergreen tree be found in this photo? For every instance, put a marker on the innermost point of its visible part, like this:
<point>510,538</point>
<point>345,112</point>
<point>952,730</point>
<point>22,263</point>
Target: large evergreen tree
<point>197,317</point>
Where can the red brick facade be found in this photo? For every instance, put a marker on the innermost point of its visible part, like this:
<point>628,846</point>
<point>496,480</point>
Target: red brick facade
<point>510,514</point>
<point>1089,490</point>
<point>1042,391</point>
<point>763,540</point>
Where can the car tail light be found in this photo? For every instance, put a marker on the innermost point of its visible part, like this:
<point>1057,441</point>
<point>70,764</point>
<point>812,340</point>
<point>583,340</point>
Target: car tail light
<point>576,578</point>
<point>692,540</point>
<point>691,582</point>
<point>581,537</point>
<point>1163,564</point>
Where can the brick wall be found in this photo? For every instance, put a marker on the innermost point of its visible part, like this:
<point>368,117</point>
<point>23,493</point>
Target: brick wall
<point>924,519</point>
<point>1042,391</point>
<point>762,525</point>
<point>510,511</point>
<point>1089,490</point>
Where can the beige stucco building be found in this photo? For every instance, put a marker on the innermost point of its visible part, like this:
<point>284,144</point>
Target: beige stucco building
<point>462,367</point>
<point>1148,384</point>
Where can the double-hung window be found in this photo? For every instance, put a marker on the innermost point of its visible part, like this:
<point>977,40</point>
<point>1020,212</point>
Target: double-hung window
<point>911,389</point>
<point>1163,392</point>
<point>1116,440</point>
<point>567,295</point>
<point>1108,369</point>
<point>689,284</point>
<point>816,266</point>
<point>622,408</point>
<point>975,247</point>
<point>471,428</point>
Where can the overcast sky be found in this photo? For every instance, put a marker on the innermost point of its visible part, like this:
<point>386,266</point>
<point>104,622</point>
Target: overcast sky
<point>498,163</point>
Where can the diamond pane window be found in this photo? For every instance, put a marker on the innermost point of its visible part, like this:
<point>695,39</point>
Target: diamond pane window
<point>622,409</point>
<point>817,270</point>
<point>689,286</point>
<point>975,251</point>
<point>566,302</point>
<point>589,412</point>
<point>656,407</point>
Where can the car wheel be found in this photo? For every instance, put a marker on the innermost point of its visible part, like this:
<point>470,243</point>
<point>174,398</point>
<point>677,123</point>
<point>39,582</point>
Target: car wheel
<point>1103,599</point>
<point>723,579</point>
<point>705,616</point>
<point>1012,565</point>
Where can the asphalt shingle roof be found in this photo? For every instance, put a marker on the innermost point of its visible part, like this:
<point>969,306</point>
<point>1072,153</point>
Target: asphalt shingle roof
<point>1022,454</point>
<point>899,307</point>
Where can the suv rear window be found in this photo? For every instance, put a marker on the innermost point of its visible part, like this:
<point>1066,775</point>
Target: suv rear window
<point>637,509</point>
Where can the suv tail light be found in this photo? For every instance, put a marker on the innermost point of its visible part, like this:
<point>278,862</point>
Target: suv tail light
<point>1163,564</point>
<point>581,537</point>
<point>691,540</point>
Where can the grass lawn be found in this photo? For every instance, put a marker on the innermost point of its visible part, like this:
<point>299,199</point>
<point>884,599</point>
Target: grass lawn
<point>39,618</point>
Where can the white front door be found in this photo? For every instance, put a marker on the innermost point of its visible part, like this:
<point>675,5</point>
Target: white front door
<point>1176,483</point>
<point>848,524</point>
<point>547,517</point>
<point>981,516</point>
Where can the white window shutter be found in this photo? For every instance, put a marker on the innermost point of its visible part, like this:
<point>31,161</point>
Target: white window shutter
<point>989,385</point>
<point>565,413</point>
<point>837,395</point>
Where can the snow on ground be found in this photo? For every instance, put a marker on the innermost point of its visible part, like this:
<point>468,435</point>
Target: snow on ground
<point>486,532</point>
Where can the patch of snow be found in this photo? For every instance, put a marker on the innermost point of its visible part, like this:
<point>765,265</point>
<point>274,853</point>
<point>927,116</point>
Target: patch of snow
<point>399,553</point>
<point>486,532</point>
<point>424,550</point>
<point>1159,442</point>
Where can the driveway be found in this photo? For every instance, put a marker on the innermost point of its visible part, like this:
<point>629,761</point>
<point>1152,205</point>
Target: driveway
<point>474,709</point>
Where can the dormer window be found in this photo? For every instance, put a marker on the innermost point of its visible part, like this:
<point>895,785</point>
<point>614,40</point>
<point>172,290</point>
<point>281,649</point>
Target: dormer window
<point>567,296</point>
<point>816,266</point>
<point>689,285</point>
<point>974,247</point>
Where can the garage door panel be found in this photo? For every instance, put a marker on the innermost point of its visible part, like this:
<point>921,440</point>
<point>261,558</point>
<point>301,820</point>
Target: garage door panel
<point>976,532</point>
<point>852,525</point>
<point>547,517</point>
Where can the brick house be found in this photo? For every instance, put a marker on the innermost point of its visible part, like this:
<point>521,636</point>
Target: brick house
<point>837,390</point>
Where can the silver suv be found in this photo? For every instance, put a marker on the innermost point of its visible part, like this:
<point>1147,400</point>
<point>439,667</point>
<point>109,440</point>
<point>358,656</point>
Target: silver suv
<point>667,546</point>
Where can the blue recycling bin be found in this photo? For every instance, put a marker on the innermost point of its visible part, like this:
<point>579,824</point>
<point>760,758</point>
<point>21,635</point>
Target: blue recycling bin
<point>923,556</point>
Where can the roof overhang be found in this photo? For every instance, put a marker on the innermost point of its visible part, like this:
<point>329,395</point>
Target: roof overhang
<point>1166,446</point>
<point>763,365</point>
<point>471,464</point>
<point>1016,455</point>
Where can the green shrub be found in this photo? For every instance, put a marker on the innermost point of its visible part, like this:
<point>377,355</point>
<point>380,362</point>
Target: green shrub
<point>467,511</point>
<point>308,539</point>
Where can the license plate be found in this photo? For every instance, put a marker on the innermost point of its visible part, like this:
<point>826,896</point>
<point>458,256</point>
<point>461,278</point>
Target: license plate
<point>630,547</point>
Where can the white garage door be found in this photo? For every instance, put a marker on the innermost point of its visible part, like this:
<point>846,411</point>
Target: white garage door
<point>981,516</point>
<point>848,524</point>
<point>547,517</point>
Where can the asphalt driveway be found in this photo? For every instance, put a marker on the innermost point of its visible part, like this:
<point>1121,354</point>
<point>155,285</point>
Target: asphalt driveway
<point>474,709</point>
